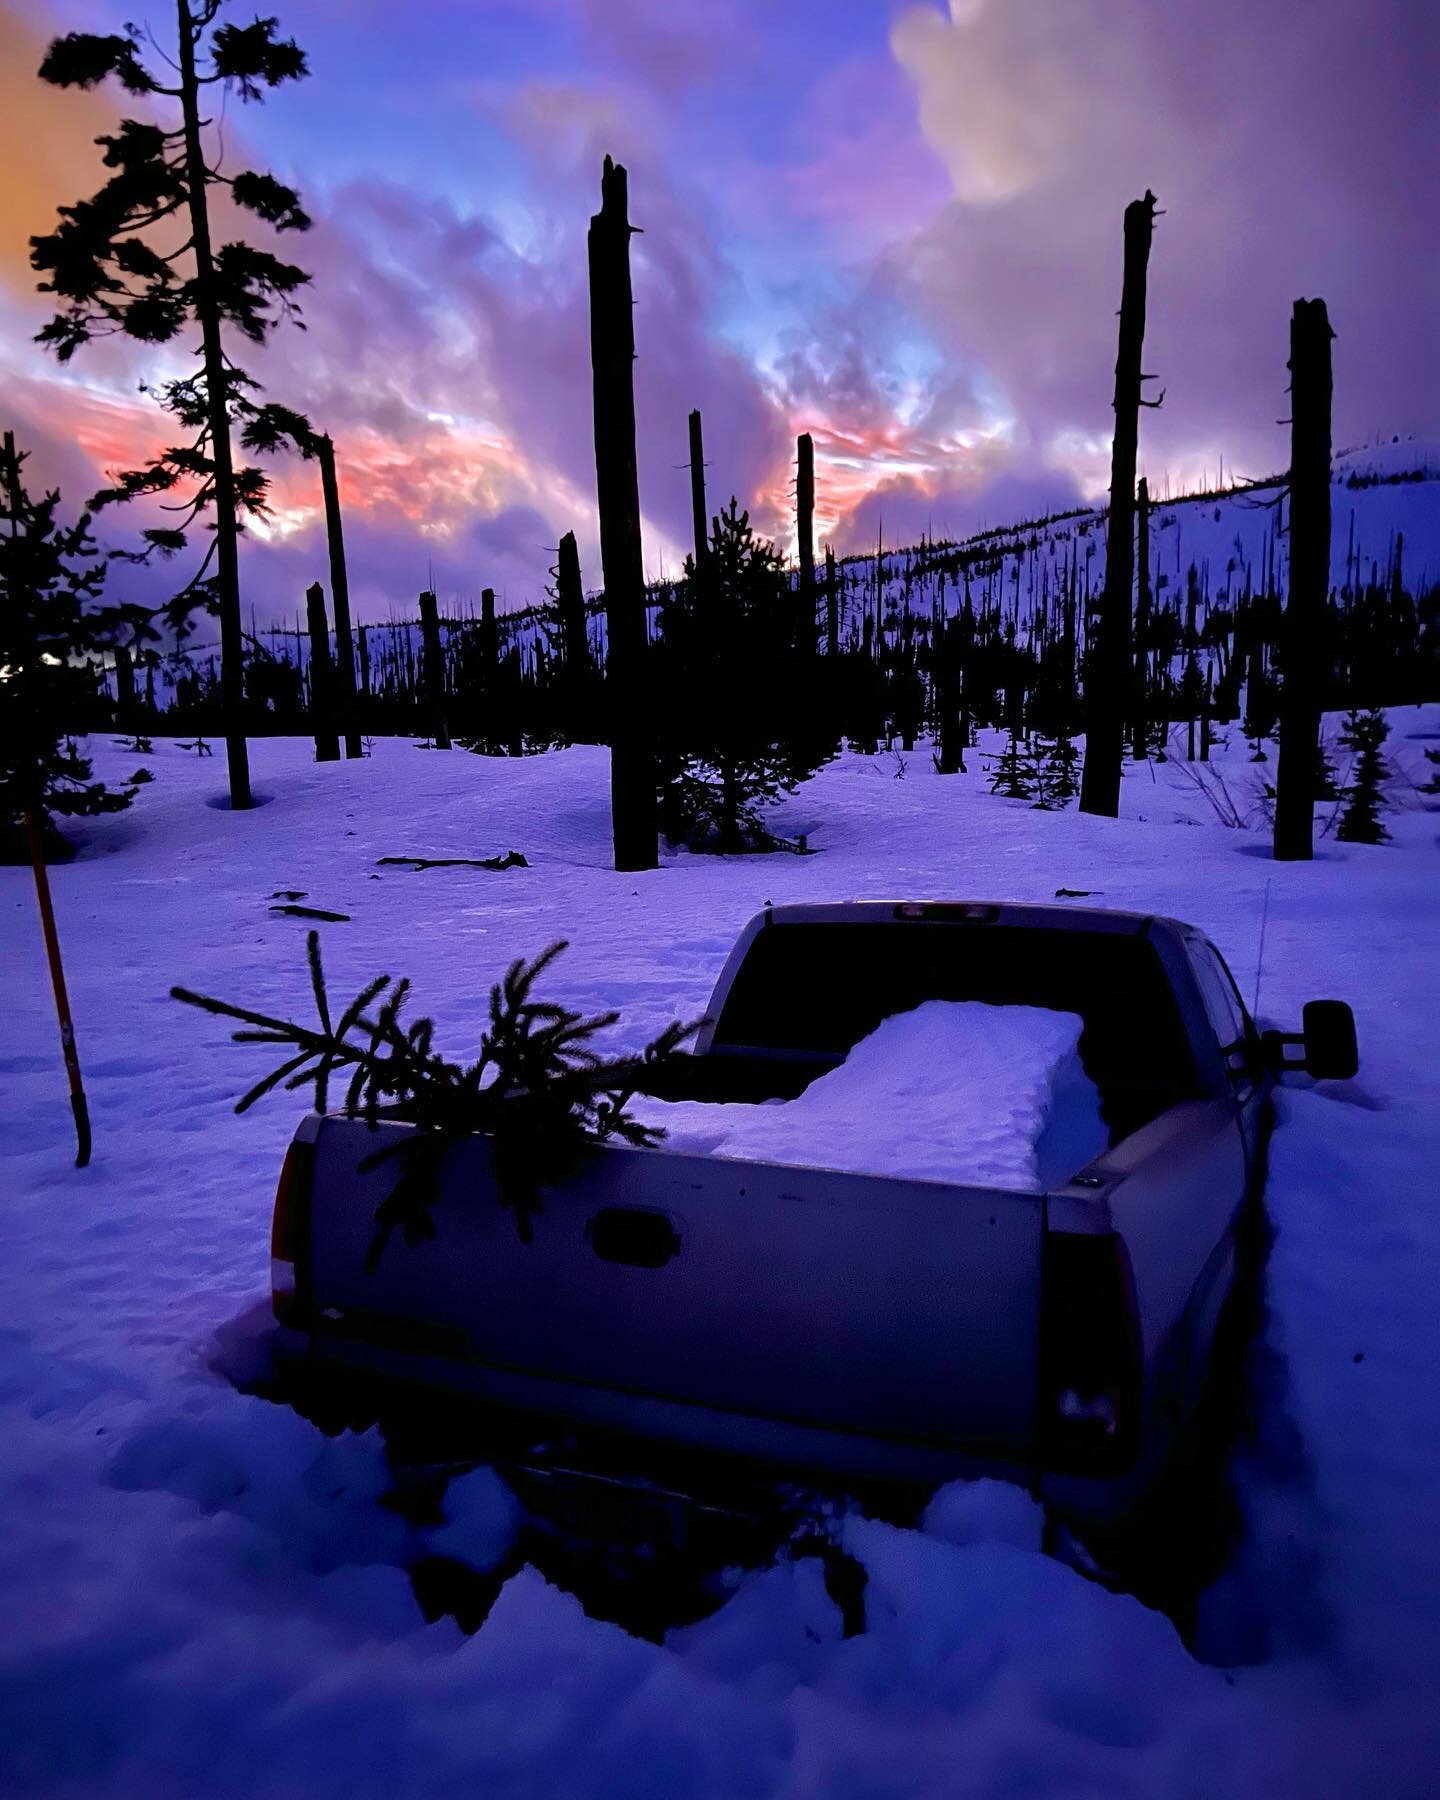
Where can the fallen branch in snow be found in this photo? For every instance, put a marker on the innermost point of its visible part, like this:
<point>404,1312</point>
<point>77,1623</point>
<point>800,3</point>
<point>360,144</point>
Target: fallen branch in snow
<point>537,1089</point>
<point>512,859</point>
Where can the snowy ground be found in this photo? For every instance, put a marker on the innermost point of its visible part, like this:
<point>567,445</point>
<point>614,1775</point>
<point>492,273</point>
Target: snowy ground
<point>203,1594</point>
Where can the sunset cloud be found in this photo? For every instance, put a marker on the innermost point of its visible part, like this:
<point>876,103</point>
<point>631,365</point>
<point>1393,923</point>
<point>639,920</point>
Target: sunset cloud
<point>897,228</point>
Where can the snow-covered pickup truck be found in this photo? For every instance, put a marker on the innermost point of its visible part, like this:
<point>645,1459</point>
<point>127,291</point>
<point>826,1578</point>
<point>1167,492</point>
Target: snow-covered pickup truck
<point>863,1324</point>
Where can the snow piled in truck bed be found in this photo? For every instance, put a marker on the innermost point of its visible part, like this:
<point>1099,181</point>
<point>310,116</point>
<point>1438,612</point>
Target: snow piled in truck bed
<point>202,1594</point>
<point>957,1091</point>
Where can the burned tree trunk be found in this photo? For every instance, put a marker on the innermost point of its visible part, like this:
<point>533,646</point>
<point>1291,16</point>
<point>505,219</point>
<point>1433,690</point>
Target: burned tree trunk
<point>124,688</point>
<point>434,671</point>
<point>1108,676</point>
<point>1139,718</point>
<point>633,811</point>
<point>322,687</point>
<point>340,597</point>
<point>699,521</point>
<point>216,389</point>
<point>805,535</point>
<point>832,605</point>
<point>1303,630</point>
<point>574,640</point>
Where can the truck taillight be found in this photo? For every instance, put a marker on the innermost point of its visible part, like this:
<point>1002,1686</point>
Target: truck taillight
<point>289,1235</point>
<point>1092,1366</point>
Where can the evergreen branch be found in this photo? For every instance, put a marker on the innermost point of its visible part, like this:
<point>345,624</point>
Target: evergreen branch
<point>552,1098</point>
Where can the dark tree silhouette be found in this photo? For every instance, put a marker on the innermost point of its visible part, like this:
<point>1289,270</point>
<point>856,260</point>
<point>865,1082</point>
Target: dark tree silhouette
<point>1140,720</point>
<point>108,264</point>
<point>1303,630</point>
<point>698,514</point>
<point>1364,734</point>
<point>612,357</point>
<point>1108,677</point>
<point>434,671</point>
<point>52,612</point>
<point>572,643</point>
<point>324,450</point>
<point>805,527</point>
<point>739,727</point>
<point>322,679</point>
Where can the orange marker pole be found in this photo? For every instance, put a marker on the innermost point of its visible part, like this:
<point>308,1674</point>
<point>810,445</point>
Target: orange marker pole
<point>78,1104</point>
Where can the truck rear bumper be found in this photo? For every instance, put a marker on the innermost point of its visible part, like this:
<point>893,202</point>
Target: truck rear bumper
<point>772,1449</point>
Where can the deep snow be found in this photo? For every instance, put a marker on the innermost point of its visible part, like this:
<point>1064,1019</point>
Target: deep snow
<point>985,1096</point>
<point>204,1594</point>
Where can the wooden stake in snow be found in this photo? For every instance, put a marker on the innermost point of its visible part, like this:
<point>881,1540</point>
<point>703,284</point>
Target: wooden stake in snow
<point>1303,629</point>
<point>612,357</point>
<point>340,598</point>
<point>78,1103</point>
<point>1108,677</point>
<point>322,696</point>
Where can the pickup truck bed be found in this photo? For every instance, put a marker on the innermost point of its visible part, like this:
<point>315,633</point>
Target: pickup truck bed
<point>837,1321</point>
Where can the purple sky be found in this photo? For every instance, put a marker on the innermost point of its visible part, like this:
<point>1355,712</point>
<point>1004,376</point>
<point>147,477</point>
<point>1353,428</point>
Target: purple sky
<point>895,225</point>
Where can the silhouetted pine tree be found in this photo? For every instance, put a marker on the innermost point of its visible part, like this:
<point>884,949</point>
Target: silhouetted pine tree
<point>740,728</point>
<point>1014,774</point>
<point>51,615</point>
<point>1056,772</point>
<point>109,273</point>
<point>1364,733</point>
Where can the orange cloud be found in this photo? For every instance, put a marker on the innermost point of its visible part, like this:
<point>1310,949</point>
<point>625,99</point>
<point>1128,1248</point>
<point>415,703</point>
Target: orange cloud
<point>46,144</point>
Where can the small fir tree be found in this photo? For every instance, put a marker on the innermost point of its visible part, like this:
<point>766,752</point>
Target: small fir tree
<point>1056,772</point>
<point>1014,774</point>
<point>1364,735</point>
<point>52,615</point>
<point>736,666</point>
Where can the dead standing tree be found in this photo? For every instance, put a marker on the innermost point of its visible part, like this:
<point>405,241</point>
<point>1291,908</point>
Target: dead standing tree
<point>574,639</point>
<point>1303,627</point>
<point>698,515</point>
<point>1140,718</point>
<point>1107,679</point>
<point>805,533</point>
<point>434,670</point>
<point>322,685</point>
<point>340,596</point>
<point>634,816</point>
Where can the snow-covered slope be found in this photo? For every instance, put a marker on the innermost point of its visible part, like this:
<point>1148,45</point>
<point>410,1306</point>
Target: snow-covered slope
<point>202,1594</point>
<point>1383,497</point>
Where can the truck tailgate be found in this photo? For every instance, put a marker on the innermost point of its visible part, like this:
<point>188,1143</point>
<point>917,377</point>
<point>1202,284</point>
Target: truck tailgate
<point>889,1308</point>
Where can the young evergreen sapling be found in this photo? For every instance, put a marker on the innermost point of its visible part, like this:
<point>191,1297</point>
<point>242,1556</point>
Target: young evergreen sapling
<point>1365,733</point>
<point>538,1089</point>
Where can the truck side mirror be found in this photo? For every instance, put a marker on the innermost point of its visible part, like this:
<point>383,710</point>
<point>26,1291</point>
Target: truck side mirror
<point>1328,1049</point>
<point>1331,1053</point>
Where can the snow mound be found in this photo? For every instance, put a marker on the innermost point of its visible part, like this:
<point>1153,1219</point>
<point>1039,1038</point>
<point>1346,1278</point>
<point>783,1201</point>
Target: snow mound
<point>954,1091</point>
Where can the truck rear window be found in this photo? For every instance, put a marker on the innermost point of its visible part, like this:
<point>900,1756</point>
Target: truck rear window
<point>822,987</point>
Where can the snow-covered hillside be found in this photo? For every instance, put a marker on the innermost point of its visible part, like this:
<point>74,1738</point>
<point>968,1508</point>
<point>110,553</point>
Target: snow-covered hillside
<point>203,1594</point>
<point>1382,499</point>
